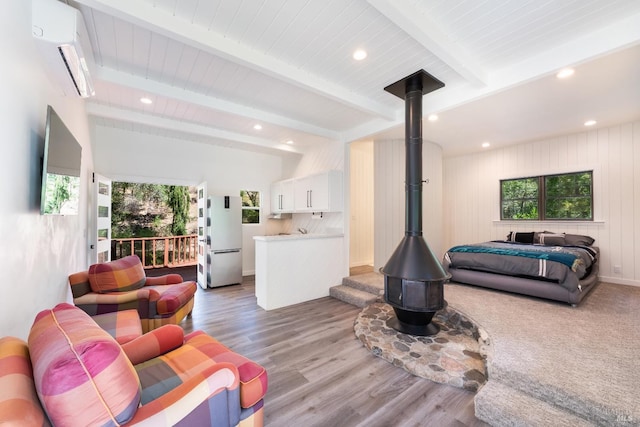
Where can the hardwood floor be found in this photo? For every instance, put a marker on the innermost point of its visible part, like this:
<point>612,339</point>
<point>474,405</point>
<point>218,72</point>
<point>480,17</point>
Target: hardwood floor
<point>360,269</point>
<point>319,372</point>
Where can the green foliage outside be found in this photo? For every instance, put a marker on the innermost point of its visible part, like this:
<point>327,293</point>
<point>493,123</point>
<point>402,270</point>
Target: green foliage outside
<point>520,198</point>
<point>178,202</point>
<point>250,207</point>
<point>149,210</point>
<point>569,196</point>
<point>61,194</point>
<point>566,196</point>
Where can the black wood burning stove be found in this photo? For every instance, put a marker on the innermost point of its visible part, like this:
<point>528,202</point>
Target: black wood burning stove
<point>413,277</point>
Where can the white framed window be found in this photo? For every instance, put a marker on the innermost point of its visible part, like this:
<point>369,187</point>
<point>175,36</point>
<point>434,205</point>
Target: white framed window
<point>250,207</point>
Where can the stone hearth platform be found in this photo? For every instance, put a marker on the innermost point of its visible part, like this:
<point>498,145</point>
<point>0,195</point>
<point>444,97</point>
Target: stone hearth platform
<point>454,356</point>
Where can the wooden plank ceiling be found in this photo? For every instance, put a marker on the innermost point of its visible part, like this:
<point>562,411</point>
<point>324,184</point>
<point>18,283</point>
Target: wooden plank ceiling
<point>216,68</point>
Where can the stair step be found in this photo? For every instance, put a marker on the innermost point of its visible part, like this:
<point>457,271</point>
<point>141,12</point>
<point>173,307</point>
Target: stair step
<point>352,296</point>
<point>501,405</point>
<point>369,282</point>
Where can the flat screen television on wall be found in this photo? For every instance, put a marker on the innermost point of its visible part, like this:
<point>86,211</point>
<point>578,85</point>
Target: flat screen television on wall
<point>60,169</point>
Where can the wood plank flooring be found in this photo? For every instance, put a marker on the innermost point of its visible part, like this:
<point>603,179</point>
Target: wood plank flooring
<point>319,372</point>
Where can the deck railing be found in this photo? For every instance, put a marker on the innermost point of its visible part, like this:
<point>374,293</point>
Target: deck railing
<point>156,252</point>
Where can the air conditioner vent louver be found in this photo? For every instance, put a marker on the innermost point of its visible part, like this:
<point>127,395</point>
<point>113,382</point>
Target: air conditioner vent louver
<point>63,42</point>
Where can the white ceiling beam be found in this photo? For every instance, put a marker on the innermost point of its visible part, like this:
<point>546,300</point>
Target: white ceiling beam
<point>153,19</point>
<point>606,40</point>
<point>129,116</point>
<point>164,90</point>
<point>427,32</point>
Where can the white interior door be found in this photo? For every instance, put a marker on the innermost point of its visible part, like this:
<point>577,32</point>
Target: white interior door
<point>202,235</point>
<point>101,246</point>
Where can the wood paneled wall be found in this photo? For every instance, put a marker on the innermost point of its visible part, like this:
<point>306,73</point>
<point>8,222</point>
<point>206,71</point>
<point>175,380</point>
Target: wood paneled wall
<point>389,197</point>
<point>472,196</point>
<point>361,203</point>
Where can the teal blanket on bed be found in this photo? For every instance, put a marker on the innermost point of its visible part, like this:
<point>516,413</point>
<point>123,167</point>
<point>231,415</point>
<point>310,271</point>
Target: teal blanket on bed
<point>562,257</point>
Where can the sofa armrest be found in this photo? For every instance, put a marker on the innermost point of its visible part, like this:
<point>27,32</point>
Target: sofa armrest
<point>19,404</point>
<point>154,343</point>
<point>219,382</point>
<point>167,279</point>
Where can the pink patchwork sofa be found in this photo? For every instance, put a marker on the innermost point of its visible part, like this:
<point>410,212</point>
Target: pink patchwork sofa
<point>123,285</point>
<point>73,373</point>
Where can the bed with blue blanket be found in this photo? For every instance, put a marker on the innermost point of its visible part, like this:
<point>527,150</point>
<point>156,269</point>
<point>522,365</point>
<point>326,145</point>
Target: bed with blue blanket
<point>559,268</point>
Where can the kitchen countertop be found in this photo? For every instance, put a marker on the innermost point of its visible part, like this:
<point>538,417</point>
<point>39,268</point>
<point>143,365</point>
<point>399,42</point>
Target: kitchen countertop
<point>296,236</point>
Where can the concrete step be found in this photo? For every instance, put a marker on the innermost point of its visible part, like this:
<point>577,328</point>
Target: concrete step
<point>352,296</point>
<point>500,405</point>
<point>369,282</point>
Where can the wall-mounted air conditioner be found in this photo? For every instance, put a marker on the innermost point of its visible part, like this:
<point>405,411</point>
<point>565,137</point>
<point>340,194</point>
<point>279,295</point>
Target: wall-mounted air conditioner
<point>63,40</point>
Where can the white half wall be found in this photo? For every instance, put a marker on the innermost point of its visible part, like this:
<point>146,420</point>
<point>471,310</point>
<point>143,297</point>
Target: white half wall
<point>124,155</point>
<point>37,252</point>
<point>472,193</point>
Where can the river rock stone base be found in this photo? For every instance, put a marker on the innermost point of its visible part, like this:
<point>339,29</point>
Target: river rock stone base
<point>453,356</point>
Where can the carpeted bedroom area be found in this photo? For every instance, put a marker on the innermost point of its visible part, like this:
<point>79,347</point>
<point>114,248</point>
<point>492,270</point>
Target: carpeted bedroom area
<point>552,364</point>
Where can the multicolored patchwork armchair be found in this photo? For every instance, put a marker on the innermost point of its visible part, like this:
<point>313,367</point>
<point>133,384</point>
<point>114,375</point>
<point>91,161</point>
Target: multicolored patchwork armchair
<point>123,285</point>
<point>73,373</point>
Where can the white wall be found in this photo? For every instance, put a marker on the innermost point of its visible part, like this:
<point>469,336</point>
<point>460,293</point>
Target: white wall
<point>361,203</point>
<point>472,196</point>
<point>37,252</point>
<point>389,197</point>
<point>135,157</point>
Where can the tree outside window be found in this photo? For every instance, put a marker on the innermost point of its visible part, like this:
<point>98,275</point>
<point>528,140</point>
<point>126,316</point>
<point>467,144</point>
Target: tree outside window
<point>250,207</point>
<point>551,197</point>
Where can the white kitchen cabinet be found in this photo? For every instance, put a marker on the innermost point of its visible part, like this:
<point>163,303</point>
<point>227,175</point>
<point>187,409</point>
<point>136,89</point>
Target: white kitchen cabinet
<point>282,196</point>
<point>320,192</point>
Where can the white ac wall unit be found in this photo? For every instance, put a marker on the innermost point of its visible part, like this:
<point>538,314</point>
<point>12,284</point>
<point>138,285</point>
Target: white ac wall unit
<point>63,40</point>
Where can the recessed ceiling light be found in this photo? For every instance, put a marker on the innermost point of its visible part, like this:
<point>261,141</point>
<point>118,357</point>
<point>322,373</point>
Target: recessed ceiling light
<point>257,126</point>
<point>290,142</point>
<point>359,54</point>
<point>485,145</point>
<point>590,123</point>
<point>565,72</point>
<point>145,100</point>
<point>432,117</point>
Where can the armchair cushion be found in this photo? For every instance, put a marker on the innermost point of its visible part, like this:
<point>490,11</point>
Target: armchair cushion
<point>154,343</point>
<point>74,360</point>
<point>124,325</point>
<point>124,274</point>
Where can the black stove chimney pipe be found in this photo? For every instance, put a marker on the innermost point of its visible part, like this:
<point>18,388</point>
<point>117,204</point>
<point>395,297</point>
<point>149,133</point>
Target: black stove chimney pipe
<point>414,277</point>
<point>413,166</point>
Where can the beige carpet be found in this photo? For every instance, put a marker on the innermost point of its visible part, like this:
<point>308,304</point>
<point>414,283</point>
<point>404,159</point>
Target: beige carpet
<point>583,362</point>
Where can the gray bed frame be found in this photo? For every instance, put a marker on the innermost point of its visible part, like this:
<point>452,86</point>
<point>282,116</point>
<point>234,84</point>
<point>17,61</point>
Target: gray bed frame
<point>526,286</point>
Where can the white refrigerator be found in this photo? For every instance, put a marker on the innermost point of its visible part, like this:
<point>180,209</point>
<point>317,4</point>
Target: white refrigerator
<point>225,241</point>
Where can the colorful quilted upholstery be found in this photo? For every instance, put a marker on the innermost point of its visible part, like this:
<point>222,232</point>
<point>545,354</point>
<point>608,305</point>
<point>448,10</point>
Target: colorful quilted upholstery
<point>253,377</point>
<point>166,373</point>
<point>154,343</point>
<point>21,406</point>
<point>74,360</point>
<point>184,387</point>
<point>160,301</point>
<point>173,297</point>
<point>124,326</point>
<point>167,279</point>
<point>124,274</point>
